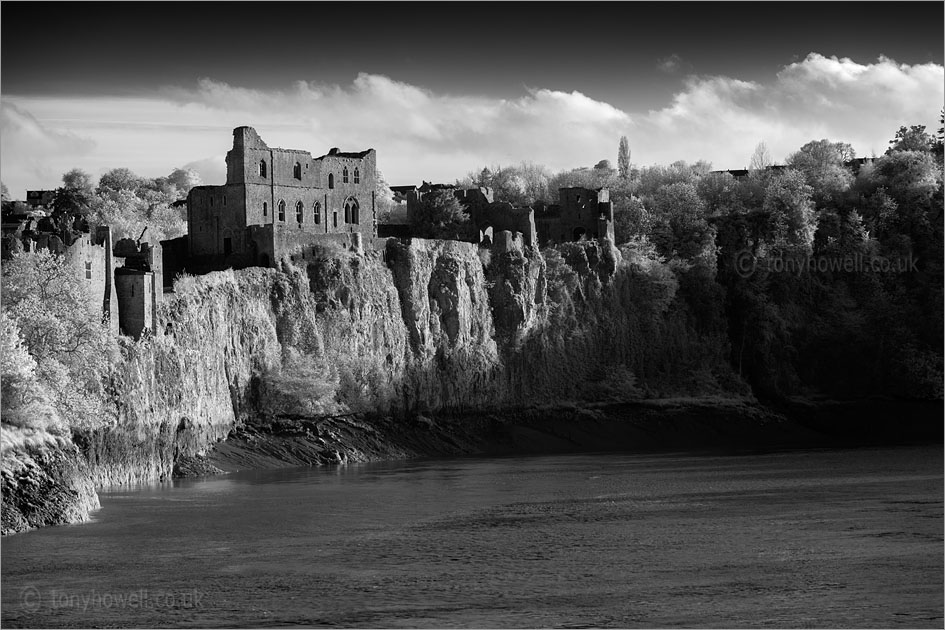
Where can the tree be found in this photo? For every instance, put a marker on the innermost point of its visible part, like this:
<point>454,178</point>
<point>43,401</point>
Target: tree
<point>823,164</point>
<point>938,142</point>
<point>74,197</point>
<point>680,226</point>
<point>604,166</point>
<point>79,181</point>
<point>911,138</point>
<point>760,159</point>
<point>128,214</point>
<point>24,399</point>
<point>440,215</point>
<point>630,220</point>
<point>790,206</point>
<point>623,158</point>
<point>119,179</point>
<point>383,195</point>
<point>5,195</point>
<point>61,327</point>
<point>910,176</point>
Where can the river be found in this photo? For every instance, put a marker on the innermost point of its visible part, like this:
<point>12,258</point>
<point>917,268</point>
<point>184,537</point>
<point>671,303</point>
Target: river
<point>817,538</point>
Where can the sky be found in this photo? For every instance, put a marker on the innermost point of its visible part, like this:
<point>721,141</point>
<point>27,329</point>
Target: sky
<point>443,89</point>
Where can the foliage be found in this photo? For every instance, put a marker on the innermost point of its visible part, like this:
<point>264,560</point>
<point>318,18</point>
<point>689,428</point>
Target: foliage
<point>24,399</point>
<point>908,176</point>
<point>760,159</point>
<point>824,166</point>
<point>911,138</point>
<point>441,215</point>
<point>623,158</point>
<point>61,328</point>
<point>789,204</point>
<point>522,185</point>
<point>383,195</point>
<point>631,219</point>
<point>679,224</point>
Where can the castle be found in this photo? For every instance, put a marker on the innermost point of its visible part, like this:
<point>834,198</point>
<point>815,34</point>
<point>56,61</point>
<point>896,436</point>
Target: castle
<point>276,203</point>
<point>280,204</point>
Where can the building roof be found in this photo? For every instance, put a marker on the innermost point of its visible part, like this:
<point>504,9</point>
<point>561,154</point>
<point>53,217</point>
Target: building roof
<point>334,152</point>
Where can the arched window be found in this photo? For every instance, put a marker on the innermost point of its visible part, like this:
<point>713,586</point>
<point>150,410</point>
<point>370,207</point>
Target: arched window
<point>265,209</point>
<point>299,209</point>
<point>357,176</point>
<point>317,212</point>
<point>281,210</point>
<point>262,168</point>
<point>344,176</point>
<point>331,180</point>
<point>351,211</point>
<point>297,171</point>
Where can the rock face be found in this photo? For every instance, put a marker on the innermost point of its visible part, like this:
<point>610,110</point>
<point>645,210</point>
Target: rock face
<point>424,326</point>
<point>43,485</point>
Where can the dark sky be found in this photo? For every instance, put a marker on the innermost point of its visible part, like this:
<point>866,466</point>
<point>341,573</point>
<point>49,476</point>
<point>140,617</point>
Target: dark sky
<point>610,51</point>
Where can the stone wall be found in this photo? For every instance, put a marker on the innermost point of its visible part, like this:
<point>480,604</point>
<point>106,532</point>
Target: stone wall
<point>501,215</point>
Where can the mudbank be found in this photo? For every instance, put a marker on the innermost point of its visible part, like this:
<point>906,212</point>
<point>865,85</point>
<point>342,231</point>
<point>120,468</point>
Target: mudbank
<point>424,348</point>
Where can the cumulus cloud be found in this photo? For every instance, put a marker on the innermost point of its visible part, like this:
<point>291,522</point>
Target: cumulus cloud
<point>30,149</point>
<point>721,118</point>
<point>421,133</point>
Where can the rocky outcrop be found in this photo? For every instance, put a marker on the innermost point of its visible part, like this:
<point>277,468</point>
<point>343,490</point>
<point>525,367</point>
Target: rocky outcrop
<point>47,484</point>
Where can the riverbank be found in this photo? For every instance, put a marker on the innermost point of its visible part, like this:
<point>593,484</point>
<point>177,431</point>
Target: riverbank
<point>51,486</point>
<point>689,424</point>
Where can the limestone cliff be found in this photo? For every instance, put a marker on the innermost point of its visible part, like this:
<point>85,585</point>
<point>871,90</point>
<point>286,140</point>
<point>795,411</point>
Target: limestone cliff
<point>422,327</point>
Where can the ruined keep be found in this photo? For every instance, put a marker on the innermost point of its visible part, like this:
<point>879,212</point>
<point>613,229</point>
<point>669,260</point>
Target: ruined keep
<point>581,213</point>
<point>276,204</point>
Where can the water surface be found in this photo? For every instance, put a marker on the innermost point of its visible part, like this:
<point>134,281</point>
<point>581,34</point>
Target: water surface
<point>791,539</point>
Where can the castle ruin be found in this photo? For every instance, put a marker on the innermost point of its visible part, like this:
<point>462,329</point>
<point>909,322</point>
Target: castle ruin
<point>276,203</point>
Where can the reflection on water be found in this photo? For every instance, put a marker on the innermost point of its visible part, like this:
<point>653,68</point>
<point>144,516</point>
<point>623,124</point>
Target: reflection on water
<point>795,539</point>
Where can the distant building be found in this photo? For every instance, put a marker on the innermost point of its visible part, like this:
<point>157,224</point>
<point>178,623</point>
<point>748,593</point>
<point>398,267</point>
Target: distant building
<point>36,198</point>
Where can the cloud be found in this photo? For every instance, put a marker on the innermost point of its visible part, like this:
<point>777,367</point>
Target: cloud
<point>420,133</point>
<point>671,64</point>
<point>721,119</point>
<point>30,149</point>
<point>212,170</point>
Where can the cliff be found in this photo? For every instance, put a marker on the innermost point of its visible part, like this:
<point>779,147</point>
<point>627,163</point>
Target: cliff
<point>422,327</point>
<point>48,483</point>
